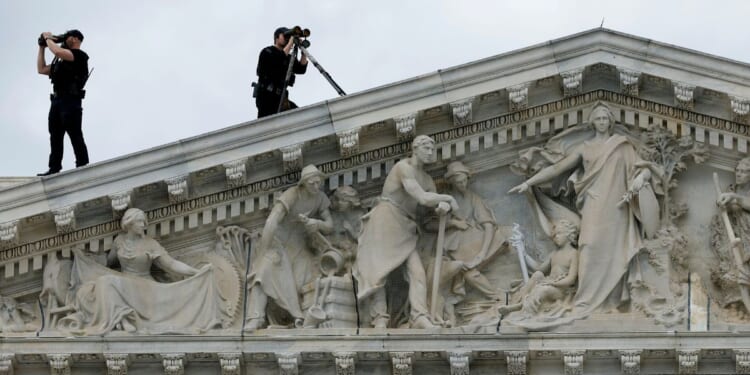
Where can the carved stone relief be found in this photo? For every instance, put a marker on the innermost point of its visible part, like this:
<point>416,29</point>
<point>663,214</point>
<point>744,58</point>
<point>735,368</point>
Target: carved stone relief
<point>345,362</point>
<point>231,363</point>
<point>462,114</point>
<point>406,127</point>
<point>177,188</point>
<point>516,362</point>
<point>292,157</point>
<point>402,363</point>
<point>459,362</point>
<point>630,361</point>
<point>60,363</point>
<point>687,361</point>
<point>573,361</point>
<point>117,364</point>
<point>519,97</point>
<point>572,82</point>
<point>6,363</point>
<point>288,363</point>
<point>174,363</point>
<point>236,172</point>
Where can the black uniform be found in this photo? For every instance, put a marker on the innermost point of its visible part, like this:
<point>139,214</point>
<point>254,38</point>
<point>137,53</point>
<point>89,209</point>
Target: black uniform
<point>272,66</point>
<point>68,79</point>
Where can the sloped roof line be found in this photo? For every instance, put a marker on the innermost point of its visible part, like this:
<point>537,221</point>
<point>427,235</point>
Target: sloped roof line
<point>374,105</point>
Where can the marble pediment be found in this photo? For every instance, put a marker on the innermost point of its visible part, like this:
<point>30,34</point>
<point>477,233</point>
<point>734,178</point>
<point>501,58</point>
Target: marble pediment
<point>206,201</point>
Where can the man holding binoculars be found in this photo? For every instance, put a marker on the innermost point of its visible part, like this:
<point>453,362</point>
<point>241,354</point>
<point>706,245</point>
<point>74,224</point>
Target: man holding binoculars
<point>68,73</point>
<point>273,64</point>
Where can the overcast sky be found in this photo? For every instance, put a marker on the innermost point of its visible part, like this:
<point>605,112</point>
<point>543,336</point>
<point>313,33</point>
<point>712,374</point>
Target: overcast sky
<point>168,70</point>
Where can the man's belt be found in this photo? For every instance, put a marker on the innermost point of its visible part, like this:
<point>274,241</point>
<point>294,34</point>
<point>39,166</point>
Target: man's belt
<point>269,87</point>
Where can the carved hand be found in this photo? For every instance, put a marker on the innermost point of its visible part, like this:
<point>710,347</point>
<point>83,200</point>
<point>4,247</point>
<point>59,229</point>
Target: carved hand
<point>443,208</point>
<point>460,224</point>
<point>522,188</point>
<point>726,198</point>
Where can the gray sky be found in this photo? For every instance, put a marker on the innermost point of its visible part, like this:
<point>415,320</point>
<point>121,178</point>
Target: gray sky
<point>167,70</point>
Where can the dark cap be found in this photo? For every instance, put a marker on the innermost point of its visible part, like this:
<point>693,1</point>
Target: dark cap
<point>74,33</point>
<point>280,30</point>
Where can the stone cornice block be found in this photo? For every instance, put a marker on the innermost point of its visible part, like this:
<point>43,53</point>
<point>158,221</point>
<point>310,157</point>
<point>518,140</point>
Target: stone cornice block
<point>459,361</point>
<point>231,363</point>
<point>572,82</point>
<point>120,202</point>
<point>348,142</point>
<point>684,95</point>
<point>60,363</point>
<point>516,360</point>
<point>292,157</point>
<point>406,126</point>
<point>7,361</point>
<point>687,361</point>
<point>573,361</point>
<point>177,188</point>
<point>742,361</point>
<point>288,363</point>
<point>236,172</point>
<point>629,80</point>
<point>174,363</point>
<point>518,97</point>
<point>117,363</point>
<point>740,108</point>
<point>630,361</point>
<point>65,218</point>
<point>345,362</point>
<point>462,113</point>
<point>9,234</point>
<point>402,362</point>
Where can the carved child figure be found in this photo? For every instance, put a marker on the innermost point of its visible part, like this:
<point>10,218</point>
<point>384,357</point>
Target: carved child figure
<point>546,295</point>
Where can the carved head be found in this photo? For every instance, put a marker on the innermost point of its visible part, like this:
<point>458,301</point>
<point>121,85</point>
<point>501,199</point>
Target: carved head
<point>134,219</point>
<point>424,149</point>
<point>458,175</point>
<point>742,171</point>
<point>602,119</point>
<point>344,198</point>
<point>311,179</point>
<point>564,232</point>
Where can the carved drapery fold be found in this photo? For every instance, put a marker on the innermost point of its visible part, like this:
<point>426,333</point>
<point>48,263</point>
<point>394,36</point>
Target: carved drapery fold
<point>9,234</point>
<point>348,142</point>
<point>65,218</point>
<point>683,95</point>
<point>572,82</point>
<point>288,363</point>
<point>459,362</point>
<point>174,363</point>
<point>628,81</point>
<point>406,127</point>
<point>630,361</point>
<point>230,363</point>
<point>516,362</point>
<point>462,113</point>
<point>117,364</point>
<point>292,157</point>
<point>236,172</point>
<point>402,362</point>
<point>345,362</point>
<point>519,97</point>
<point>120,202</point>
<point>177,187</point>
<point>573,361</point>
<point>687,361</point>
<point>6,363</point>
<point>60,364</point>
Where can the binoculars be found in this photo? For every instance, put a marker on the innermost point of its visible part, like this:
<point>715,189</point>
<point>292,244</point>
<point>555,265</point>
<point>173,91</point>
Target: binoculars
<point>56,38</point>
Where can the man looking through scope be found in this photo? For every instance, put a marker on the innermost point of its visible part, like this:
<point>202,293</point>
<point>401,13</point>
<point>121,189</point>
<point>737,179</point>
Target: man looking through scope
<point>273,64</point>
<point>68,73</point>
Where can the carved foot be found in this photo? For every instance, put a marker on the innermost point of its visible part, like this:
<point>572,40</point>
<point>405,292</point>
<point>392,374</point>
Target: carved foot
<point>254,324</point>
<point>422,323</point>
<point>127,326</point>
<point>381,322</point>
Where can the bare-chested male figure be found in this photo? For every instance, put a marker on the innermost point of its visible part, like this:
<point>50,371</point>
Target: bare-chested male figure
<point>389,235</point>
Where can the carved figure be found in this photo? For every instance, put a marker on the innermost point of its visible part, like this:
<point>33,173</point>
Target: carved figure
<point>732,273</point>
<point>346,212</point>
<point>545,298</point>
<point>472,238</point>
<point>609,182</point>
<point>285,260</point>
<point>131,300</point>
<point>389,235</point>
<point>14,316</point>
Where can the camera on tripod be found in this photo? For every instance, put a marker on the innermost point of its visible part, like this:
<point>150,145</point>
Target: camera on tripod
<point>298,32</point>
<point>55,38</point>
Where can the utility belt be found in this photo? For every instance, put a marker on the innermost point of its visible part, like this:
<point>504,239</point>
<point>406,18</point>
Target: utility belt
<point>268,87</point>
<point>73,94</point>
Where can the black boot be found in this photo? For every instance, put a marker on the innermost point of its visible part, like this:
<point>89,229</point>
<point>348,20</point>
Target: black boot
<point>48,173</point>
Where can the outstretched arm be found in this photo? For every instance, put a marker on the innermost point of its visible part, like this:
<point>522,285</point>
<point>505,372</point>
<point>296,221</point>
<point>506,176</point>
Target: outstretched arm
<point>546,174</point>
<point>173,265</point>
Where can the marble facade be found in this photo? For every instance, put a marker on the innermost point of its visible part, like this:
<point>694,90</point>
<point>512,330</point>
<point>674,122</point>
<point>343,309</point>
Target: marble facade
<point>675,302</point>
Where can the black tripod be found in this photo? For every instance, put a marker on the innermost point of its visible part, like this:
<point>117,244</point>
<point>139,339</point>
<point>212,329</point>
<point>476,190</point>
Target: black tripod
<point>297,47</point>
